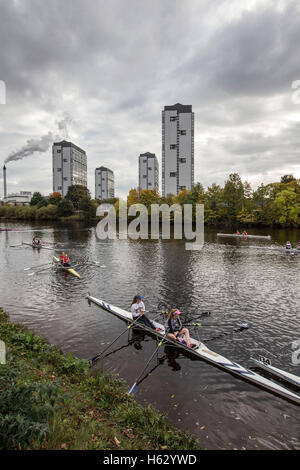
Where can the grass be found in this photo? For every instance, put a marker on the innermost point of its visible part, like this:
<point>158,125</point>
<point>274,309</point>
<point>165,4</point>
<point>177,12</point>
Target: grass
<point>49,400</point>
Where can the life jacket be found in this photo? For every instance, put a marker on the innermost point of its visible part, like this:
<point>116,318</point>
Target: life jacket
<point>288,246</point>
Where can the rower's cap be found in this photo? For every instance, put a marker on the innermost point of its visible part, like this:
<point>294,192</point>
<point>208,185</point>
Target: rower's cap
<point>177,312</point>
<point>139,297</point>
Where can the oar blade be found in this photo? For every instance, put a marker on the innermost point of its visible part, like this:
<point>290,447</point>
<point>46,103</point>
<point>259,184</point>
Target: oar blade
<point>133,389</point>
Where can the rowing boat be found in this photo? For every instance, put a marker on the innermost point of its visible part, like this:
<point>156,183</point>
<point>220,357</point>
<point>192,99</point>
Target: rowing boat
<point>35,245</point>
<point>241,235</point>
<point>202,352</point>
<point>65,268</point>
<point>281,374</point>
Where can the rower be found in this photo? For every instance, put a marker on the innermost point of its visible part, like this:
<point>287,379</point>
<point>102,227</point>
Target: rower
<point>245,233</point>
<point>238,232</point>
<point>64,259</point>
<point>288,246</point>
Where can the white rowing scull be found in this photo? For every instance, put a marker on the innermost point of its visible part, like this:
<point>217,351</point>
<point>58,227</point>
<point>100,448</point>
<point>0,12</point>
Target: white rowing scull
<point>36,245</point>
<point>241,235</point>
<point>279,373</point>
<point>202,352</point>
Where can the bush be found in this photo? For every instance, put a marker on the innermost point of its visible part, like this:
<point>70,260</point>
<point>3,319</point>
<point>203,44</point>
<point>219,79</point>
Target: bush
<point>65,208</point>
<point>47,213</point>
<point>25,410</point>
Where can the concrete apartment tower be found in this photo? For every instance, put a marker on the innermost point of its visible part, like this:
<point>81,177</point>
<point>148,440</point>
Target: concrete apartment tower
<point>148,171</point>
<point>177,148</point>
<point>69,166</point>
<point>104,183</point>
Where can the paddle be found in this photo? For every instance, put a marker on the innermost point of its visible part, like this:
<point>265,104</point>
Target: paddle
<point>134,388</point>
<point>95,358</point>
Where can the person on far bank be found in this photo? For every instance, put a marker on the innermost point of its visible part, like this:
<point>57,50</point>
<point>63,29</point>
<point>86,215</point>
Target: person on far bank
<point>138,311</point>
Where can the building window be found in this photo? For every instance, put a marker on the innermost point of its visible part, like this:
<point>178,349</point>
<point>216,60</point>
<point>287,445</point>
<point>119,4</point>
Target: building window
<point>182,160</point>
<point>65,179</point>
<point>182,132</point>
<point>65,160</point>
<point>149,167</point>
<point>145,161</point>
<point>173,118</point>
<point>58,169</point>
<point>182,188</point>
<point>144,176</point>
<point>149,184</point>
<point>172,146</point>
<point>58,150</point>
<point>173,174</point>
<point>59,187</point>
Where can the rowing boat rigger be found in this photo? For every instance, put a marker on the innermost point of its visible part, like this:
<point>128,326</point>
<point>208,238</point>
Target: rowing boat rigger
<point>65,268</point>
<point>202,352</point>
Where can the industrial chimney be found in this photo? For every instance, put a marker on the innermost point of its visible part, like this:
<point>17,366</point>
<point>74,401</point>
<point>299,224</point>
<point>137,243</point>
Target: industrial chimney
<point>4,180</point>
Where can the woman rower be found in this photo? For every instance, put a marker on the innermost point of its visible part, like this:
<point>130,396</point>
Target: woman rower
<point>175,329</point>
<point>138,312</point>
<point>288,246</point>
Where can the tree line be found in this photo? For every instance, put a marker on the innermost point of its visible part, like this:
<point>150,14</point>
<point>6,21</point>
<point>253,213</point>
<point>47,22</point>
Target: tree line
<point>235,203</point>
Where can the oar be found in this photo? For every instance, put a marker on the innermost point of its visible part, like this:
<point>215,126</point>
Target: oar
<point>95,358</point>
<point>39,271</point>
<point>39,266</point>
<point>134,388</point>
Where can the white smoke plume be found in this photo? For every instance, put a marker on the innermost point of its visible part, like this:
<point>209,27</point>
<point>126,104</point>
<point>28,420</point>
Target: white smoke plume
<point>43,144</point>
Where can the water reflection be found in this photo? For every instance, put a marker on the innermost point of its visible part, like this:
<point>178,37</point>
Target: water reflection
<point>237,280</point>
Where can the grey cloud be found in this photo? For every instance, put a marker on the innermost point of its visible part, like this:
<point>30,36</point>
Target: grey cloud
<point>112,66</point>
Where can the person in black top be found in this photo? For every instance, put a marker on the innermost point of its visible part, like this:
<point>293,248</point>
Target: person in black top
<point>175,329</point>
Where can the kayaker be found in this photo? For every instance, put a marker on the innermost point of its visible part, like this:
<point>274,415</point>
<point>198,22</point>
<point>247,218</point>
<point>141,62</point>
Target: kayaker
<point>138,310</point>
<point>288,245</point>
<point>175,329</point>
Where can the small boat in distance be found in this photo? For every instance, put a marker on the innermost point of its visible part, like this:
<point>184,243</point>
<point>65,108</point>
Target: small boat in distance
<point>241,235</point>
<point>35,245</point>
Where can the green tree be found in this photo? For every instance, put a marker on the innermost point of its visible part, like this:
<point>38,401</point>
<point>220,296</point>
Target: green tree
<point>88,208</point>
<point>287,208</point>
<point>38,200</point>
<point>65,208</point>
<point>233,198</point>
<point>77,192</point>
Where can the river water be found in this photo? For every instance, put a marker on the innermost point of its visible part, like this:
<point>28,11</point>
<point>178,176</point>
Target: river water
<point>236,280</point>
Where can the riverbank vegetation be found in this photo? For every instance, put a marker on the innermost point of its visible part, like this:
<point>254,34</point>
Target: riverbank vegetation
<point>235,204</point>
<point>49,400</point>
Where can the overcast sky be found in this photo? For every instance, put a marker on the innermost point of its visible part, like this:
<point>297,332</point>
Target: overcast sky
<point>99,74</point>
